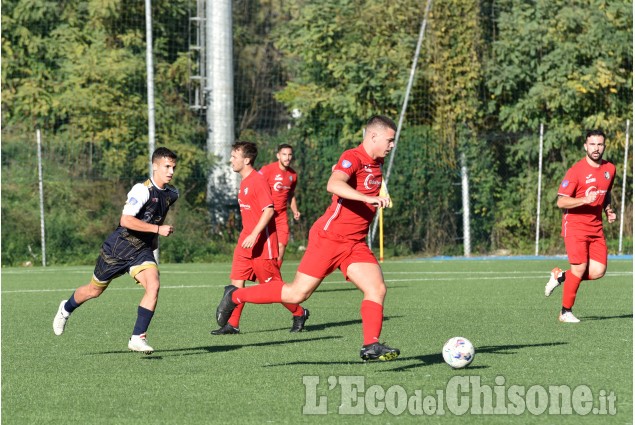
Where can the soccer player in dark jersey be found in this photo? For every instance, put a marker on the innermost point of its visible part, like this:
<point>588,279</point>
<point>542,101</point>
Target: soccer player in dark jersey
<point>129,249</point>
<point>583,194</point>
<point>256,253</point>
<point>338,240</point>
<point>283,180</point>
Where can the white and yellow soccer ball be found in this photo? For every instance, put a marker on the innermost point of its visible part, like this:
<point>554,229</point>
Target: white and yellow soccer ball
<point>458,352</point>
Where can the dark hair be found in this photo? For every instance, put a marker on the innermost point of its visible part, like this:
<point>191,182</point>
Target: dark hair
<point>163,153</point>
<point>382,121</point>
<point>248,149</point>
<point>596,132</point>
<point>284,146</point>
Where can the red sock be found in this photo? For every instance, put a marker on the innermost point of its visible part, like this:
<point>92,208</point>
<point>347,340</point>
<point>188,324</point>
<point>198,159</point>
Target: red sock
<point>570,289</point>
<point>234,319</point>
<point>267,293</point>
<point>295,309</point>
<point>372,318</point>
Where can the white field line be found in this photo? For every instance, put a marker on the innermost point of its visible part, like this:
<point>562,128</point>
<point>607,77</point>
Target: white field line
<point>422,279</point>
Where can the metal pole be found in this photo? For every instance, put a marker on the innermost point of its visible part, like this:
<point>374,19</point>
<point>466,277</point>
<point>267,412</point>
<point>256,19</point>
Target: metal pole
<point>150,84</point>
<point>619,250</point>
<point>465,187</point>
<point>539,189</point>
<point>404,106</point>
<point>150,81</point>
<point>39,171</point>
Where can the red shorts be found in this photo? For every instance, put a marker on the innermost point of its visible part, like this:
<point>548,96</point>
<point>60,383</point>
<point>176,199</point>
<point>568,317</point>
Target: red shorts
<point>323,255</point>
<point>253,269</point>
<point>581,249</point>
<point>282,229</point>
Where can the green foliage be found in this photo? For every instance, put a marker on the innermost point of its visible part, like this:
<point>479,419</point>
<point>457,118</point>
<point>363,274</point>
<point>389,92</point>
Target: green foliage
<point>489,74</point>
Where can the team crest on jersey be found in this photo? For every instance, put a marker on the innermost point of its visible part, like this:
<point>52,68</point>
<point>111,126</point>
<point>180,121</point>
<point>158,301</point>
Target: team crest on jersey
<point>291,178</point>
<point>346,164</point>
<point>246,190</point>
<point>565,183</point>
<point>607,175</point>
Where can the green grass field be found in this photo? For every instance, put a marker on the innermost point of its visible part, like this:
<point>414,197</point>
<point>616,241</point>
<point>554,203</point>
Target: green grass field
<point>267,375</point>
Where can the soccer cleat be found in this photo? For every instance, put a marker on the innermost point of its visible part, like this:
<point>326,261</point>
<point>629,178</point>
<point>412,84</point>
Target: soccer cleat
<point>299,321</point>
<point>553,281</point>
<point>226,330</point>
<point>59,322</point>
<point>568,317</point>
<point>226,306</point>
<point>378,351</point>
<point>140,344</point>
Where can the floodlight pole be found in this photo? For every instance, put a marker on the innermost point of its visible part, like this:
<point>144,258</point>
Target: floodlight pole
<point>150,84</point>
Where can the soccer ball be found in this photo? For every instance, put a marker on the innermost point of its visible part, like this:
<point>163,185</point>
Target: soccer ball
<point>458,352</point>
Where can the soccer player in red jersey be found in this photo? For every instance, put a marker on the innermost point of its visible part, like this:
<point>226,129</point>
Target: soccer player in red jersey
<point>584,193</point>
<point>337,240</point>
<point>256,253</point>
<point>282,179</point>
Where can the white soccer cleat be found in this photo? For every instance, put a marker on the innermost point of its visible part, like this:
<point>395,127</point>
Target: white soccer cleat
<point>140,344</point>
<point>568,317</point>
<point>553,281</point>
<point>59,322</point>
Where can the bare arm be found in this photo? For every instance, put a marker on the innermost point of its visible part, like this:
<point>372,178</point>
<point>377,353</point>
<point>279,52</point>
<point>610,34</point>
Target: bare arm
<point>294,208</point>
<point>338,185</point>
<point>567,202</point>
<point>265,217</point>
<point>133,223</point>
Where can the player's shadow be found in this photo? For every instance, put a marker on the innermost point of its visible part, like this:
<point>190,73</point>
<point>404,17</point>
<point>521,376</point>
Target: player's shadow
<point>621,316</point>
<point>436,358</point>
<point>323,326</point>
<point>353,288</point>
<point>211,349</point>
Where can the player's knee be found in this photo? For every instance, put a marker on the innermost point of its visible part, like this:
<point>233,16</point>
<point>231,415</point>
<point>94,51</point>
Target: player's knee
<point>596,274</point>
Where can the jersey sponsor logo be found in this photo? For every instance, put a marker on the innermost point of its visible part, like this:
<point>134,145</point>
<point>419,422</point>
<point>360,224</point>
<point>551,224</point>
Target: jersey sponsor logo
<point>346,164</point>
<point>278,186</point>
<point>607,175</point>
<point>369,181</point>
<point>588,180</point>
<point>243,206</point>
<point>565,183</point>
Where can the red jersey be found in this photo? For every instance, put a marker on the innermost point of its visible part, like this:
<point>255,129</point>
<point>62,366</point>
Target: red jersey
<point>579,180</point>
<point>347,218</point>
<point>282,183</point>
<point>254,196</point>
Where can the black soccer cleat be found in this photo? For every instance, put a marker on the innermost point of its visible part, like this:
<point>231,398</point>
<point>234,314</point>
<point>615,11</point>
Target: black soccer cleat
<point>226,306</point>
<point>299,321</point>
<point>378,351</point>
<point>226,330</point>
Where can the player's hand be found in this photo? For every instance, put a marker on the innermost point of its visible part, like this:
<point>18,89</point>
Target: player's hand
<point>591,197</point>
<point>166,230</point>
<point>249,241</point>
<point>611,216</point>
<point>379,201</point>
<point>296,215</point>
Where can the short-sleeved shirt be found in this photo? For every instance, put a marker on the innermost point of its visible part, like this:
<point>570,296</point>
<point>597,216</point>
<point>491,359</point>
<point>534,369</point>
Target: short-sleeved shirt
<point>346,218</point>
<point>580,180</point>
<point>253,198</point>
<point>282,183</point>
